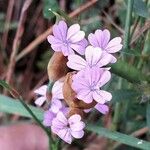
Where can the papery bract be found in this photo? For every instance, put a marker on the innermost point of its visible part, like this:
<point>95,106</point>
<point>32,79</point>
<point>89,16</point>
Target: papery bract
<point>87,85</point>
<point>93,57</point>
<point>67,129</point>
<point>102,39</point>
<point>66,40</point>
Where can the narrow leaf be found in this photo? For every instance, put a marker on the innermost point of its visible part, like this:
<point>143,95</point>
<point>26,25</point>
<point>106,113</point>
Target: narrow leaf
<point>12,106</point>
<point>120,137</point>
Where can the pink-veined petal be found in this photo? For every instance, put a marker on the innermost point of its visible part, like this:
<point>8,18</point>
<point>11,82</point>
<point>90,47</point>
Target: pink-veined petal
<point>48,117</point>
<point>60,30</point>
<point>80,46</point>
<point>53,40</point>
<point>60,116</point>
<point>66,50</point>
<point>92,55</point>
<point>106,96</point>
<point>93,40</point>
<point>74,118</point>
<point>76,62</point>
<point>114,45</point>
<point>57,90</point>
<point>105,77</point>
<point>98,97</point>
<point>65,135</point>
<point>41,90</point>
<point>77,37</point>
<point>39,101</point>
<point>56,105</point>
<point>102,108</point>
<point>73,29</point>
<point>77,126</point>
<point>77,134</point>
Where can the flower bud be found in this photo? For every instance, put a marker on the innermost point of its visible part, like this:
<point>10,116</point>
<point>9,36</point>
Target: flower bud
<point>57,66</point>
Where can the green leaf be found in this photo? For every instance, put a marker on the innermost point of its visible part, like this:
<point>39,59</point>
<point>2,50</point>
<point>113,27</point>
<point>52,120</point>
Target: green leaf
<point>131,52</point>
<point>119,137</point>
<point>128,72</point>
<point>124,95</point>
<point>50,4</point>
<point>148,115</point>
<point>140,8</point>
<point>12,106</point>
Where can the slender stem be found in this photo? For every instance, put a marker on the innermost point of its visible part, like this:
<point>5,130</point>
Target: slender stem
<point>126,43</point>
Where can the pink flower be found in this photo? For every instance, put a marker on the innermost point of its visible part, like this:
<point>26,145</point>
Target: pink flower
<point>67,129</point>
<point>87,85</point>
<point>102,39</point>
<point>66,39</point>
<point>56,93</point>
<point>102,108</point>
<point>56,106</point>
<point>93,57</point>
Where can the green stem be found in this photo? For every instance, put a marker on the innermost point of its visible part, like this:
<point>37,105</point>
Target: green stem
<point>116,118</point>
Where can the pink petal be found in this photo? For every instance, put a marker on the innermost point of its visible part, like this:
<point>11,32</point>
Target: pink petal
<point>98,97</point>
<point>39,101</point>
<point>93,40</point>
<point>53,40</point>
<point>74,118</point>
<point>87,110</point>
<point>56,105</point>
<point>114,45</point>
<point>92,55</point>
<point>102,108</point>
<point>57,90</point>
<point>48,117</point>
<point>106,58</point>
<point>60,30</point>
<point>66,50</point>
<point>76,62</point>
<point>65,135</point>
<point>85,95</point>
<point>62,119</point>
<point>79,47</point>
<point>56,47</point>
<point>41,90</point>
<point>113,59</point>
<point>105,95</point>
<point>77,37</point>
<point>78,126</point>
<point>73,29</point>
<point>105,77</point>
<point>77,134</point>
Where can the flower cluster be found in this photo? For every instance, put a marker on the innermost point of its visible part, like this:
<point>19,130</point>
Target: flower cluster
<point>80,90</point>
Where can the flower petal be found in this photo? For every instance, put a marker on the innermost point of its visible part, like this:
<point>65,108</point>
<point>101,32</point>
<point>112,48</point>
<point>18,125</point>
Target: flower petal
<point>66,50</point>
<point>56,105</point>
<point>93,55</point>
<point>65,135</point>
<point>60,30</point>
<point>105,77</point>
<point>57,90</point>
<point>106,96</point>
<point>77,37</point>
<point>77,134</point>
<point>78,126</point>
<point>39,101</point>
<point>73,29</point>
<point>93,40</point>
<point>76,62</point>
<point>74,118</point>
<point>62,119</point>
<point>114,45</point>
<point>41,90</point>
<point>48,117</point>
<point>79,47</point>
<point>102,108</point>
<point>97,97</point>
<point>53,40</point>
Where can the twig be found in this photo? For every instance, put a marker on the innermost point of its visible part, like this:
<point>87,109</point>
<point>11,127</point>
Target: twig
<point>141,31</point>
<point>44,35</point>
<point>7,22</point>
<point>17,40</point>
<point>113,23</point>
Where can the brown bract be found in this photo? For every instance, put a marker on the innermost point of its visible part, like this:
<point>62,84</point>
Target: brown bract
<point>57,66</point>
<point>70,95</point>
